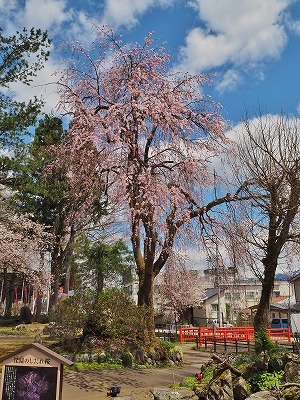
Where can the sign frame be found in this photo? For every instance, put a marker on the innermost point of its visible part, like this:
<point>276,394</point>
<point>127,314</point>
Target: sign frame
<point>33,369</point>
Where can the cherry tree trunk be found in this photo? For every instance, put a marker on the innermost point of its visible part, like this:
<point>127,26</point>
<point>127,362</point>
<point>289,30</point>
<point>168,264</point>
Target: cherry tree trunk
<point>261,318</point>
<point>145,299</point>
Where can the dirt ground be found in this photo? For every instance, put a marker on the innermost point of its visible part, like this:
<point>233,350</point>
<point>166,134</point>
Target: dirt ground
<point>91,385</point>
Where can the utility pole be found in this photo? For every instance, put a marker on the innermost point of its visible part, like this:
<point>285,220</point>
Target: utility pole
<point>218,286</point>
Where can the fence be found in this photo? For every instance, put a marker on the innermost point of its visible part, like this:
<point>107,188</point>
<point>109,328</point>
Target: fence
<point>218,344</point>
<point>230,334</point>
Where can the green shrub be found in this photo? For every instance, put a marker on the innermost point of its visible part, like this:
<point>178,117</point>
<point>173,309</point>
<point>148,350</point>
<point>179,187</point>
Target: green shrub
<point>170,348</point>
<point>266,380</point>
<point>208,373</point>
<point>245,359</point>
<point>263,343</point>
<point>110,316</point>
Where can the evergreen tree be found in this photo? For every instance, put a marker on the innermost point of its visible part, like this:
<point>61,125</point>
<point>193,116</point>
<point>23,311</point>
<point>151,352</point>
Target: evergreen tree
<point>21,56</point>
<point>105,264</point>
<point>42,191</point>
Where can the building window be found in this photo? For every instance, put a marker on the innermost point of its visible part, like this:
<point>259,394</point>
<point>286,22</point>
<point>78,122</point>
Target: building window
<point>227,295</point>
<point>215,307</point>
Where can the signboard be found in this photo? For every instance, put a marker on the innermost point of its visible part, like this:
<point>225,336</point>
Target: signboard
<point>34,373</point>
<point>29,383</point>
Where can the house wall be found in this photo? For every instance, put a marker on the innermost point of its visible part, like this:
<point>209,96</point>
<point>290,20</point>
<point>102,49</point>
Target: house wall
<point>209,310</point>
<point>296,283</point>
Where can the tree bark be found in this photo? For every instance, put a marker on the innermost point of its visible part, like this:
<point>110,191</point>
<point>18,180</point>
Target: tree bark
<point>66,256</point>
<point>38,311</point>
<point>145,299</point>
<point>55,271</point>
<point>9,292</point>
<point>261,318</point>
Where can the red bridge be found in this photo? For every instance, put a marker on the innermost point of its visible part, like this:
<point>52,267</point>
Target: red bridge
<point>234,333</point>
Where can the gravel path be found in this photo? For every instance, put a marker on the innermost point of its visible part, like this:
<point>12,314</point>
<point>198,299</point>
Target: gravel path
<point>91,385</point>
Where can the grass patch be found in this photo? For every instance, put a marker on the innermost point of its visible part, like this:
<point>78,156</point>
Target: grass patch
<point>189,383</point>
<point>79,366</point>
<point>11,347</point>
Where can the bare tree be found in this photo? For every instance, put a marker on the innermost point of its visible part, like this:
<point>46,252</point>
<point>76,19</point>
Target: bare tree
<point>179,289</point>
<point>269,173</point>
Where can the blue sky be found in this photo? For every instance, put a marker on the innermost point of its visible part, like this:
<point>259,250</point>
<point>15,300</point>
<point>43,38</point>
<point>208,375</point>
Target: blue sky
<point>250,47</point>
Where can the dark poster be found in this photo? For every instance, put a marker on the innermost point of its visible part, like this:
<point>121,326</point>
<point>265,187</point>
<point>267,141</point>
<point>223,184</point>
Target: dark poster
<point>29,383</point>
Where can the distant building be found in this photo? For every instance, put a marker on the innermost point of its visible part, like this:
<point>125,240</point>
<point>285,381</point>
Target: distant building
<point>225,289</point>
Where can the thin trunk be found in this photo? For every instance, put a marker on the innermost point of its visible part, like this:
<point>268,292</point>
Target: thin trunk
<point>38,311</point>
<point>55,271</point>
<point>9,292</point>
<point>99,281</point>
<point>66,256</point>
<point>67,279</point>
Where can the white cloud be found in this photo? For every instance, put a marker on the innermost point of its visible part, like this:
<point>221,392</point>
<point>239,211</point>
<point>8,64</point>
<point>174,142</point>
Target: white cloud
<point>42,86</point>
<point>7,5</point>
<point>46,14</point>
<point>51,13</point>
<point>231,79</point>
<point>234,32</point>
<point>127,12</point>
<point>293,25</point>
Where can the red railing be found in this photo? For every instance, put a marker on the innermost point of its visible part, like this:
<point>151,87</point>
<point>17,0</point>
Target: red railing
<point>230,333</point>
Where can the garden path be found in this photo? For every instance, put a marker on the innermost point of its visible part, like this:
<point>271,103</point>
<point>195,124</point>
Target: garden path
<point>92,385</point>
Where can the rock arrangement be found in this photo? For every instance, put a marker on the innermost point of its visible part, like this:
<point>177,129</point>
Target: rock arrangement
<point>127,359</point>
<point>229,383</point>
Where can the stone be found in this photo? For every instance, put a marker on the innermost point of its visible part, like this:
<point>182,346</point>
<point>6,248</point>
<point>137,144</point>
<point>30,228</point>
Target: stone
<point>291,393</point>
<point>77,357</point>
<point>115,354</point>
<point>94,357</point>
<point>173,394</point>
<point>177,357</point>
<point>85,358</point>
<point>201,390</point>
<point>221,387</point>
<point>127,398</point>
<point>275,364</point>
<point>292,371</point>
<point>127,360</point>
<point>139,357</point>
<point>38,338</point>
<point>102,357</point>
<point>264,395</point>
<point>252,369</point>
<point>241,388</point>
